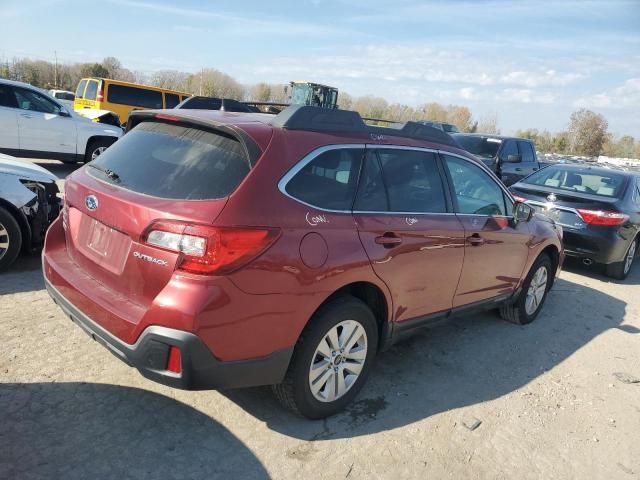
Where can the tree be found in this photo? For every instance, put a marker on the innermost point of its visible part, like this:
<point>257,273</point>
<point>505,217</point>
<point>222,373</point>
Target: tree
<point>345,101</point>
<point>488,124</point>
<point>94,70</point>
<point>587,132</point>
<point>172,79</point>
<point>460,117</point>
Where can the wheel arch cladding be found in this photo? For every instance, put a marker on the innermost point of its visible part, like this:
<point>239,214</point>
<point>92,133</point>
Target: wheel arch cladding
<point>554,255</point>
<point>371,295</point>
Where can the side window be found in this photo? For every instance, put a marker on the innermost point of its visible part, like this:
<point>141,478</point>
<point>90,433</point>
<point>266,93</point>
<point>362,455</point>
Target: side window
<point>372,194</point>
<point>526,151</point>
<point>36,102</point>
<point>476,192</point>
<point>509,148</point>
<point>7,98</point>
<point>80,89</point>
<point>636,195</point>
<point>91,91</point>
<point>329,181</point>
<point>171,100</point>
<point>138,97</point>
<point>413,181</point>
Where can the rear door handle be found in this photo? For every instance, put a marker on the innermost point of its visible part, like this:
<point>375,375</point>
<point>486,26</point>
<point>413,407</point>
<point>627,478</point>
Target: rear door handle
<point>388,240</point>
<point>475,240</point>
<point>26,115</point>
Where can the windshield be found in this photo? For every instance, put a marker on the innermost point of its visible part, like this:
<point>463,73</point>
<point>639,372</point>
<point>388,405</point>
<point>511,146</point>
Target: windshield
<point>479,146</point>
<point>609,184</point>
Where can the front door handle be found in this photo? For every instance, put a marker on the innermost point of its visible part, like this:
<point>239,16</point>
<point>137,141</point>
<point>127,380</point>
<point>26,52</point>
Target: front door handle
<point>388,240</point>
<point>475,240</point>
<point>25,115</point>
<point>518,169</point>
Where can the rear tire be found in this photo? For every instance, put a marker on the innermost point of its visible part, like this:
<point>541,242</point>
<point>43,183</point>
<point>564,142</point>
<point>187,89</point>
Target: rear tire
<point>96,147</point>
<point>620,270</point>
<point>10,239</point>
<point>529,303</point>
<point>323,377</point>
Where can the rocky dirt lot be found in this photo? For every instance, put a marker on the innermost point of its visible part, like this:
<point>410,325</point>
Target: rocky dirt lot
<point>475,398</point>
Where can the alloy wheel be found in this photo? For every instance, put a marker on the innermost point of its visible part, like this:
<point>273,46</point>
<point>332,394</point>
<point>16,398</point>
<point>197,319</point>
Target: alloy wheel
<point>536,291</point>
<point>338,361</point>
<point>97,152</point>
<point>4,241</point>
<point>631,254</point>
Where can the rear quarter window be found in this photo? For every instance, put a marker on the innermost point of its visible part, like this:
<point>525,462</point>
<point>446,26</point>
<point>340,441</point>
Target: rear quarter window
<point>137,97</point>
<point>171,100</point>
<point>175,161</point>
<point>329,181</point>
<point>91,91</point>
<point>80,89</point>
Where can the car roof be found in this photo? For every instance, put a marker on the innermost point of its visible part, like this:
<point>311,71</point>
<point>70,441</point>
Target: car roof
<point>19,84</point>
<point>490,135</point>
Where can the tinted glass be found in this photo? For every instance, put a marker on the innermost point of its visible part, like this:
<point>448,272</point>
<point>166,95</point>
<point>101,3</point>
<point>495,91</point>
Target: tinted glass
<point>526,151</point>
<point>372,195</point>
<point>413,181</point>
<point>7,98</point>
<point>329,181</point>
<point>583,180</point>
<point>202,103</point>
<point>235,106</point>
<point>138,97</point>
<point>80,89</point>
<point>65,96</point>
<point>173,161</point>
<point>480,146</point>
<point>509,148</point>
<point>636,196</point>
<point>171,100</point>
<point>91,91</point>
<point>476,192</point>
<point>36,102</point>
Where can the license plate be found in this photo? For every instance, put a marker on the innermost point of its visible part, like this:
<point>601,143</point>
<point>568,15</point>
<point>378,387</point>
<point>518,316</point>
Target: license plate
<point>99,238</point>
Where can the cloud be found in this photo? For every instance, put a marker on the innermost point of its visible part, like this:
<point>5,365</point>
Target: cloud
<point>524,95</point>
<point>626,95</point>
<point>539,79</point>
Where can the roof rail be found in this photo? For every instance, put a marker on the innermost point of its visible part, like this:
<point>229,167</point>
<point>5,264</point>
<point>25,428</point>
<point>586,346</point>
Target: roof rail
<point>317,119</point>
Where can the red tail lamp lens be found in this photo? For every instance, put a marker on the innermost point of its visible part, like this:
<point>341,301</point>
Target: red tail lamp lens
<point>174,364</point>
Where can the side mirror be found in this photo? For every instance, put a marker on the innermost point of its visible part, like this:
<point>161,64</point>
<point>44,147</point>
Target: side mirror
<point>64,112</point>
<point>522,212</point>
<point>512,159</point>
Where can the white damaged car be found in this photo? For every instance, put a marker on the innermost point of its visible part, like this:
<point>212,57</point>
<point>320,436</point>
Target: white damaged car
<point>35,125</point>
<point>29,202</point>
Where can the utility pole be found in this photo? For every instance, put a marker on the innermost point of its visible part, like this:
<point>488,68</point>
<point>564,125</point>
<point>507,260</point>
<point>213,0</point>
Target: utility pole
<point>55,70</point>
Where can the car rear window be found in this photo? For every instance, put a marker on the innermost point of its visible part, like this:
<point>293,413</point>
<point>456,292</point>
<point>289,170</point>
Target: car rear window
<point>138,97</point>
<point>609,184</point>
<point>480,146</point>
<point>171,100</point>
<point>202,103</point>
<point>174,161</point>
<point>80,89</point>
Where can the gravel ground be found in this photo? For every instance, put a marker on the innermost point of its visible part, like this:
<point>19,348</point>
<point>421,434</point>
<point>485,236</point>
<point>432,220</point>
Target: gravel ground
<point>475,398</point>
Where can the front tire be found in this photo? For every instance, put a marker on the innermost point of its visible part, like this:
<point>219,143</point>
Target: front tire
<point>331,360</point>
<point>95,148</point>
<point>620,270</point>
<point>534,292</point>
<point>10,239</point>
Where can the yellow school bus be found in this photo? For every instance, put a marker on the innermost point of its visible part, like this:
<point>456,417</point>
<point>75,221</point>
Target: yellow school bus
<point>123,97</point>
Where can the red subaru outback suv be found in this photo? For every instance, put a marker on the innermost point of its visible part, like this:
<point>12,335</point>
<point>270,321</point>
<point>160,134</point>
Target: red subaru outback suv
<point>218,250</point>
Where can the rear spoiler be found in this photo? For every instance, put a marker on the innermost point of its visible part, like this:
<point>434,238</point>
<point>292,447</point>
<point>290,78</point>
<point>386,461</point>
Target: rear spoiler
<point>251,148</point>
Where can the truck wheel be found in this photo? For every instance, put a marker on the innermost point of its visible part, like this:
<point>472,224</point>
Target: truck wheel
<point>96,147</point>
<point>10,239</point>
<point>620,270</point>
<point>331,360</point>
<point>534,292</point>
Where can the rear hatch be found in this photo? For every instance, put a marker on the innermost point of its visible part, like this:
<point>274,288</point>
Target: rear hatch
<point>159,170</point>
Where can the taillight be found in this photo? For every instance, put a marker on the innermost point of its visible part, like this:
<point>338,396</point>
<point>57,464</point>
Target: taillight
<point>100,95</point>
<point>602,217</point>
<point>207,249</point>
<point>518,198</point>
<point>174,362</point>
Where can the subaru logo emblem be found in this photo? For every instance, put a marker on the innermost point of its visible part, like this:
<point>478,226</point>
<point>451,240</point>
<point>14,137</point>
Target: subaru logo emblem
<point>91,202</point>
<point>551,197</point>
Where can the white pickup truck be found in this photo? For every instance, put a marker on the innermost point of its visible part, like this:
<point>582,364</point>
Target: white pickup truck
<point>33,124</point>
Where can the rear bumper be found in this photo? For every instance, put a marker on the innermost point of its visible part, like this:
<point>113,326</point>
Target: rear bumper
<point>605,247</point>
<point>200,369</point>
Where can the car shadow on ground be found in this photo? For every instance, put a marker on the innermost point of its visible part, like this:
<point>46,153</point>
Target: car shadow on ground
<point>462,363</point>
<point>59,169</point>
<point>85,430</point>
<point>25,275</point>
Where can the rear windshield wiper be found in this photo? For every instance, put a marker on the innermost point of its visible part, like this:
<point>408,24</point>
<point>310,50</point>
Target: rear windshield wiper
<point>109,173</point>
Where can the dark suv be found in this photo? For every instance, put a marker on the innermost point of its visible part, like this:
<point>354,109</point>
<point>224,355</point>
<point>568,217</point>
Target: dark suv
<point>217,250</point>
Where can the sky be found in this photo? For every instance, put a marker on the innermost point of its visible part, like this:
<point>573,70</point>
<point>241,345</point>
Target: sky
<point>531,63</point>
